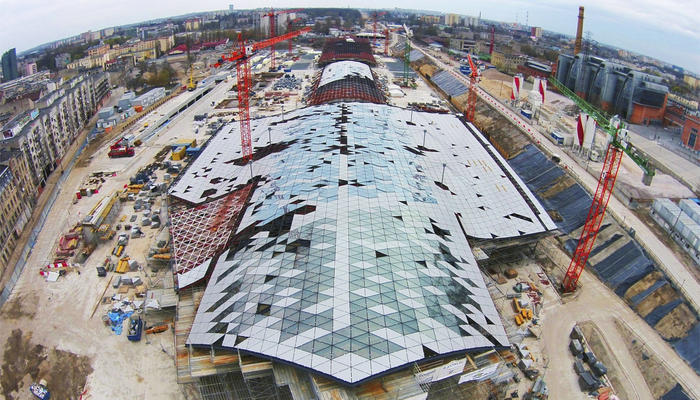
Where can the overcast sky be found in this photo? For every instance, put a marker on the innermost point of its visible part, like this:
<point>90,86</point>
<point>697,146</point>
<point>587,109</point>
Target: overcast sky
<point>665,29</point>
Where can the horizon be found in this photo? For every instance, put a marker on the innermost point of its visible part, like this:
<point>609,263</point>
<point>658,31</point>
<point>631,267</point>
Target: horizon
<point>674,42</point>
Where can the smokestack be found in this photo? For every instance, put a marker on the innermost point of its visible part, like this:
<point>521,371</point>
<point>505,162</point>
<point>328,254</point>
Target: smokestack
<point>579,31</point>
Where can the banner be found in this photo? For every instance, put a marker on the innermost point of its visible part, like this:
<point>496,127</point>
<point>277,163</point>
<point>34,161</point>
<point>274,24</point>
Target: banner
<point>444,371</point>
<point>480,374</point>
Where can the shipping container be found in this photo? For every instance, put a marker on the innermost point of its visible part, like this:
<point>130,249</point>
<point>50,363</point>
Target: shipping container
<point>691,208</point>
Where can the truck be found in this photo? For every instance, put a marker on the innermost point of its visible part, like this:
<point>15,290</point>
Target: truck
<point>120,148</point>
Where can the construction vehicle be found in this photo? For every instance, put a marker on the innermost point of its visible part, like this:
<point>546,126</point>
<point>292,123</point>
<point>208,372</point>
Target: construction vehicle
<point>39,390</point>
<point>471,97</point>
<point>273,31</point>
<point>120,148</point>
<point>241,56</point>
<point>618,144</point>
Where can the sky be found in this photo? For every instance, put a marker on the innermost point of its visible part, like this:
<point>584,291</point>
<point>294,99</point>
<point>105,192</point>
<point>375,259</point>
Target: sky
<point>668,30</point>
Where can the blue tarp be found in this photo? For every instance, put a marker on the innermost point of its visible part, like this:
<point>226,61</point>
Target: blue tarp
<point>539,173</point>
<point>624,267</point>
<point>116,319</point>
<point>396,68</point>
<point>659,312</point>
<point>688,348</point>
<point>449,84</point>
<point>677,393</point>
<point>643,295</point>
<point>600,246</point>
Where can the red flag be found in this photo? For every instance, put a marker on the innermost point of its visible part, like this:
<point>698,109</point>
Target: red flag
<point>579,129</point>
<point>542,90</point>
<point>512,94</point>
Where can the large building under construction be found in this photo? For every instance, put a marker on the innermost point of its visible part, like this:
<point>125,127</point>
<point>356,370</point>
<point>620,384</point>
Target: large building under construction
<point>343,261</point>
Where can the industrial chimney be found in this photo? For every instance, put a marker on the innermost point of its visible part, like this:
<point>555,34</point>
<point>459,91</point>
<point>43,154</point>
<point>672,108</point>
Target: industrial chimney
<point>579,31</point>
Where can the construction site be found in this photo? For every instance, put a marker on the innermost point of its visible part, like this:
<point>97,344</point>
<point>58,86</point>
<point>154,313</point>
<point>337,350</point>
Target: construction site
<point>365,222</point>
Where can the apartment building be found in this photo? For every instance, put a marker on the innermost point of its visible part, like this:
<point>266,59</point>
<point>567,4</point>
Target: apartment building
<point>16,202</point>
<point>42,136</point>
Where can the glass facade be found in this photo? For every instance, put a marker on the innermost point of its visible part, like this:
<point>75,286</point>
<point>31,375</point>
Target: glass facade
<point>352,258</point>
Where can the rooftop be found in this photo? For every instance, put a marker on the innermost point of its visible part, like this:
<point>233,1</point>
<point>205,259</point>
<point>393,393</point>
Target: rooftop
<point>352,254</point>
<point>347,49</point>
<point>346,81</point>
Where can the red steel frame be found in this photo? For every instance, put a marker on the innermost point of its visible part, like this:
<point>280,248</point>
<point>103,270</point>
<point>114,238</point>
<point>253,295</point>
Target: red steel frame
<point>606,182</point>
<point>374,30</point>
<point>272,34</point>
<point>200,232</point>
<point>273,31</point>
<point>243,77</point>
<point>471,97</point>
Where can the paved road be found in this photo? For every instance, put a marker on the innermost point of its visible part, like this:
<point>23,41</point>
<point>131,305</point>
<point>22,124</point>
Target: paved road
<point>598,304</point>
<point>685,170</point>
<point>660,253</point>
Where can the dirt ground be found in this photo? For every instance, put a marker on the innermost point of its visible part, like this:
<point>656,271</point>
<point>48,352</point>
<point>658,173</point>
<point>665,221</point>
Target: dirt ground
<point>48,330</point>
<point>26,362</point>
<point>600,348</point>
<point>658,378</point>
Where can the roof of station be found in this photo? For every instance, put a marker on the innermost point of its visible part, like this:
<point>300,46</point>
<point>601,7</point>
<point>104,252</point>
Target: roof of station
<point>351,256</point>
<point>347,49</point>
<point>346,81</point>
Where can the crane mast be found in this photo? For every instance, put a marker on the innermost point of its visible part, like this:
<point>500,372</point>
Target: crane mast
<point>471,97</point>
<point>618,145</point>
<point>240,56</point>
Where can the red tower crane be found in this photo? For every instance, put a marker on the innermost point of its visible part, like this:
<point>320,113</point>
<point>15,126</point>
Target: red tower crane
<point>374,30</point>
<point>386,39</point>
<point>619,144</point>
<point>241,56</point>
<point>289,28</point>
<point>272,14</point>
<point>471,97</point>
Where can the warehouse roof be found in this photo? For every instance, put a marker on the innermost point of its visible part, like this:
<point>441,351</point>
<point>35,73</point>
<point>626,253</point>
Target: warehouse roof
<point>351,256</point>
<point>346,81</point>
<point>343,70</point>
